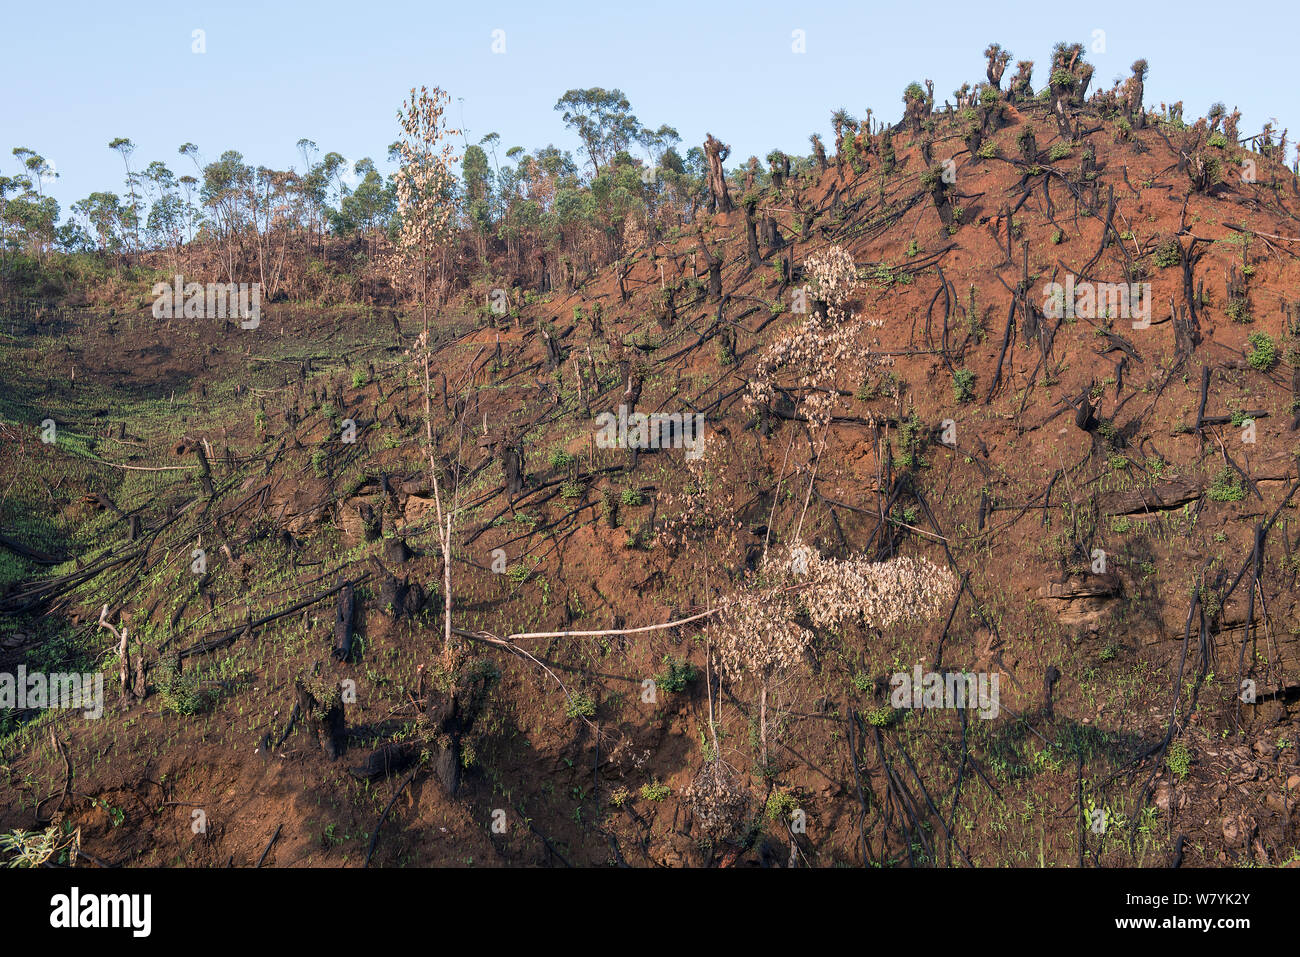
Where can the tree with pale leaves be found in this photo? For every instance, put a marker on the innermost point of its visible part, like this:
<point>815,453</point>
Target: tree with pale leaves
<point>765,630</point>
<point>426,204</point>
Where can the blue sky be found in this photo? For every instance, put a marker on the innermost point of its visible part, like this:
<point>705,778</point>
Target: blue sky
<point>79,74</point>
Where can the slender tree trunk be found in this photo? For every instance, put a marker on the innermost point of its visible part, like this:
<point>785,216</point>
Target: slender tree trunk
<point>433,466</point>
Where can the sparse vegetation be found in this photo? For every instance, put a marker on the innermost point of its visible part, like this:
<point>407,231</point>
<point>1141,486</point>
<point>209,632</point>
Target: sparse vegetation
<point>841,451</point>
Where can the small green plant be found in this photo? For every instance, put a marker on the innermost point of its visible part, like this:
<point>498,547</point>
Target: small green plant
<point>1059,151</point>
<point>35,848</point>
<point>676,676</point>
<point>1179,759</point>
<point>963,385</point>
<point>358,379</point>
<point>1167,254</point>
<point>880,717</point>
<point>630,497</point>
<point>580,706</point>
<point>180,691</point>
<point>1226,487</point>
<point>1263,351</point>
<point>780,805</point>
<point>560,459</point>
<point>318,459</point>
<point>910,443</point>
<point>655,791</point>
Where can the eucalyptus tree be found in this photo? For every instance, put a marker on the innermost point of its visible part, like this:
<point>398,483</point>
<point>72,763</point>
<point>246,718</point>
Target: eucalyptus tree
<point>603,120</point>
<point>227,195</point>
<point>477,179</point>
<point>125,147</point>
<point>104,214</point>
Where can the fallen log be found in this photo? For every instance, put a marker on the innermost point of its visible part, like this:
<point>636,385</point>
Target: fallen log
<point>1163,495</point>
<point>223,640</point>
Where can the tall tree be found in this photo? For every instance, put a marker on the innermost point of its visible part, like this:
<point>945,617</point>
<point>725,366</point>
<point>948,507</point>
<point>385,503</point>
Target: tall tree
<point>603,120</point>
<point>477,177</point>
<point>126,148</point>
<point>425,201</point>
<point>104,215</point>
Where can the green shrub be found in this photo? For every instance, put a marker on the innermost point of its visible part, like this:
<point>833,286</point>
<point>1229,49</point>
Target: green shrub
<point>1167,254</point>
<point>580,706</point>
<point>1263,352</point>
<point>1226,487</point>
<point>676,676</point>
<point>1179,759</point>
<point>655,791</point>
<point>780,805</point>
<point>881,717</point>
<point>180,690</point>
<point>963,385</point>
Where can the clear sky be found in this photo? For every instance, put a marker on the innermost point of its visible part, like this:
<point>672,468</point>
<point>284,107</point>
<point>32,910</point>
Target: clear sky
<point>78,74</point>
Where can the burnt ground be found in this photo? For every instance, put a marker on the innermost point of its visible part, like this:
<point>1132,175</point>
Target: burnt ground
<point>1072,435</point>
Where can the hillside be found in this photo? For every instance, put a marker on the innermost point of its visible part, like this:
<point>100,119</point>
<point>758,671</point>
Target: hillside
<point>1104,488</point>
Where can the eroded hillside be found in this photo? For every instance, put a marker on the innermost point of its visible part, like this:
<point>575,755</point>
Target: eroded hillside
<point>1108,488</point>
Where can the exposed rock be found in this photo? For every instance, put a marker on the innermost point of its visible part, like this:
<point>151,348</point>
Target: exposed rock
<point>1084,599</point>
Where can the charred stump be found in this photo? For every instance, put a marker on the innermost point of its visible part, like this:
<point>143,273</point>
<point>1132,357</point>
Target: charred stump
<point>324,719</point>
<point>344,613</point>
<point>716,153</point>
